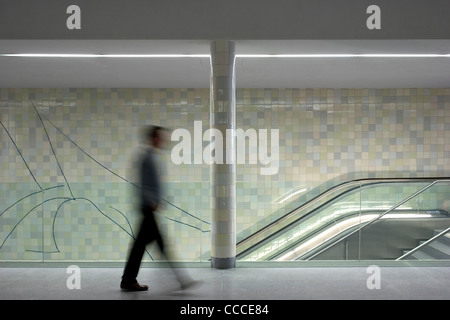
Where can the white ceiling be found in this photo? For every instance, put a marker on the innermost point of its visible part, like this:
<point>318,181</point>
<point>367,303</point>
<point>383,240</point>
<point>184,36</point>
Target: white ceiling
<point>355,72</point>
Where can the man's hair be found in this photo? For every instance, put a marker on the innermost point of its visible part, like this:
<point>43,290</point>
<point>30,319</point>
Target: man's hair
<point>153,131</point>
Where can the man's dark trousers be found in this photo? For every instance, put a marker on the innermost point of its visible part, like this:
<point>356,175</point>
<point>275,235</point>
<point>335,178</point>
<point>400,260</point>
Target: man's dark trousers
<point>148,232</point>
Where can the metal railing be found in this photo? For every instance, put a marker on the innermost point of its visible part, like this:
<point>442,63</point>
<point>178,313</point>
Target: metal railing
<point>440,234</point>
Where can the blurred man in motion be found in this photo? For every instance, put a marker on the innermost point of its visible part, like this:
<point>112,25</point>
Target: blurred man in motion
<point>150,198</point>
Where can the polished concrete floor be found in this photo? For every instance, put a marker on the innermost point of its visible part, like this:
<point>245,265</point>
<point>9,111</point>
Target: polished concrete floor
<point>242,283</point>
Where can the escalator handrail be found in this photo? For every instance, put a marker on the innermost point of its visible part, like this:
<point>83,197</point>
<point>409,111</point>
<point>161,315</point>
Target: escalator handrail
<point>369,181</point>
<point>381,215</point>
<point>423,244</point>
<point>339,233</point>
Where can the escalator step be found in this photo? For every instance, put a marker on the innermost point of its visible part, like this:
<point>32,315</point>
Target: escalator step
<point>445,238</point>
<point>439,249</point>
<point>418,255</point>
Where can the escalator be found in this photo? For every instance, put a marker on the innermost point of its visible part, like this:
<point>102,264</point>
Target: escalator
<point>362,219</point>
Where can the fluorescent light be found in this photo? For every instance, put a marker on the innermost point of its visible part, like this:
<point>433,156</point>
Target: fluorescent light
<point>346,55</point>
<point>406,216</point>
<point>294,55</point>
<point>338,228</point>
<point>304,56</point>
<point>156,56</point>
<point>83,55</point>
<point>48,55</point>
<point>324,236</point>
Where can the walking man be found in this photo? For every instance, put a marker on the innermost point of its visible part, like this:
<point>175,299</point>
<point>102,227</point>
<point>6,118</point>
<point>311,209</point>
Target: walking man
<point>150,184</point>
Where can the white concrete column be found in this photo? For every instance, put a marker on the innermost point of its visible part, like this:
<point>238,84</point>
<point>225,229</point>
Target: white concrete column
<point>223,170</point>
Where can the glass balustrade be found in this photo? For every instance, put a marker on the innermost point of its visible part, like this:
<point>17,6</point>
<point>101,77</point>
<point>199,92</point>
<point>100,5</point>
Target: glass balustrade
<point>359,220</point>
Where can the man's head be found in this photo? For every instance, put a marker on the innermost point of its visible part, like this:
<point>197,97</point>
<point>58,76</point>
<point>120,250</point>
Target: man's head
<point>156,136</point>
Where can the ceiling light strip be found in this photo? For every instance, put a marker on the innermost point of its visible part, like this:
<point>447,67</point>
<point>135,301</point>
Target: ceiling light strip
<point>305,56</point>
<point>344,55</point>
<point>82,55</point>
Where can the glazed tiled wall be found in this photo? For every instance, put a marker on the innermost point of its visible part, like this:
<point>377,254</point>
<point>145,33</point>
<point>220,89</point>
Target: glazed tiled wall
<point>66,188</point>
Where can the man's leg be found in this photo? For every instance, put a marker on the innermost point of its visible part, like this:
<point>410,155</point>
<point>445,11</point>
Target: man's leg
<point>183,278</point>
<point>135,257</point>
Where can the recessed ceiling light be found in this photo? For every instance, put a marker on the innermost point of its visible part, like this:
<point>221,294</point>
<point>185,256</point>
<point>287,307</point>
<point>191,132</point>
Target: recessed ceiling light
<point>82,55</point>
<point>305,56</point>
<point>344,55</point>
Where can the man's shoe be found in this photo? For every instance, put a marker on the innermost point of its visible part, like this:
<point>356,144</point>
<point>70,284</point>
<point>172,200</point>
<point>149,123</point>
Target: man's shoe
<point>133,287</point>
